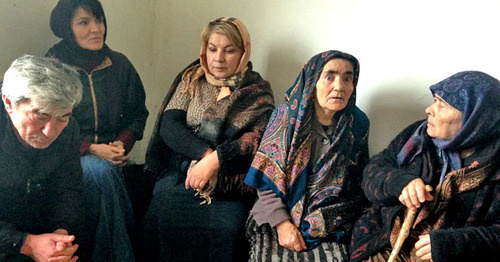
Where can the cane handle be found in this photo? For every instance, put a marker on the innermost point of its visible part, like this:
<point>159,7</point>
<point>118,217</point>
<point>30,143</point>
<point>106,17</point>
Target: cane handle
<point>405,230</point>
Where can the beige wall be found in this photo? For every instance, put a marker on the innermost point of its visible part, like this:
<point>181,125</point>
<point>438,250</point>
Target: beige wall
<point>403,46</point>
<point>24,29</point>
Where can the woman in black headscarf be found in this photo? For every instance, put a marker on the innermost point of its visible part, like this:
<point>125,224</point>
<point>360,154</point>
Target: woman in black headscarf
<point>111,116</point>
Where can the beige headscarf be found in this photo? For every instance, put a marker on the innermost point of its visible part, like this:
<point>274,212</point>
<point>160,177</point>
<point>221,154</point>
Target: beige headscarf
<point>192,75</point>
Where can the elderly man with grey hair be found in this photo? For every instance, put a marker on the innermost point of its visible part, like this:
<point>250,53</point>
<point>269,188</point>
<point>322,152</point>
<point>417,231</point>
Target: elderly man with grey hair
<point>40,172</point>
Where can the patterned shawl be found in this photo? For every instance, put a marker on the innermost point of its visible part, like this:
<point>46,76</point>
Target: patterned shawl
<point>477,96</point>
<point>234,127</point>
<point>282,162</point>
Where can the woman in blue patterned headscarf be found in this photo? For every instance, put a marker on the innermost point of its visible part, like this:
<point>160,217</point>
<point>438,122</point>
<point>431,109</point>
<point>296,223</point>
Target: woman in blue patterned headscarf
<point>456,151</point>
<point>308,166</point>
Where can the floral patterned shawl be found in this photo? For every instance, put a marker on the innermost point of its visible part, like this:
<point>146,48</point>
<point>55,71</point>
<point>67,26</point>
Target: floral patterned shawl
<point>283,162</point>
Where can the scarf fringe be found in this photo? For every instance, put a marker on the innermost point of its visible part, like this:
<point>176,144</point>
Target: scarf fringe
<point>233,185</point>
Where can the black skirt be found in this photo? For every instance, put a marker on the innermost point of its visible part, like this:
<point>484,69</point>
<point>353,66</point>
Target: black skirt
<point>177,228</point>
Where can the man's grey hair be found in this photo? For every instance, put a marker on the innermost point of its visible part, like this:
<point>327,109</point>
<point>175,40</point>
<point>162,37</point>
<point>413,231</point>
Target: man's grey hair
<point>46,82</point>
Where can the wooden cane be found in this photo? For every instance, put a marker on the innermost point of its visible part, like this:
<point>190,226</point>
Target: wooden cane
<point>405,231</point>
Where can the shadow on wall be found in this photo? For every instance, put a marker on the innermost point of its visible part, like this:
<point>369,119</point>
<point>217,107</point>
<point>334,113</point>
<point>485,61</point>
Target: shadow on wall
<point>391,109</point>
<point>283,65</point>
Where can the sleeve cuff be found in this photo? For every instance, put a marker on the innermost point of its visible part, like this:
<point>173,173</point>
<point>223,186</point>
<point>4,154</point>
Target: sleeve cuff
<point>228,150</point>
<point>225,152</point>
<point>437,247</point>
<point>128,138</point>
<point>275,211</point>
<point>20,244</point>
<point>278,216</point>
<point>84,147</point>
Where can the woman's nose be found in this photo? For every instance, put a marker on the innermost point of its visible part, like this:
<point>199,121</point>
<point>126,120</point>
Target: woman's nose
<point>428,110</point>
<point>94,27</point>
<point>338,85</point>
<point>219,56</point>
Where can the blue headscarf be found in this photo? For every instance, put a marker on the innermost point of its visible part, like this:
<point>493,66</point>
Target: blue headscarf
<point>477,96</point>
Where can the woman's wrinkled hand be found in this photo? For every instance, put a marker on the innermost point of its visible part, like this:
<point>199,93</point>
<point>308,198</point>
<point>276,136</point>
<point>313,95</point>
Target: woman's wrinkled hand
<point>199,174</point>
<point>414,194</point>
<point>290,237</point>
<point>423,247</point>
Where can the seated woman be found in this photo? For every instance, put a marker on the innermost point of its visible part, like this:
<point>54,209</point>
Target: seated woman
<point>456,151</point>
<point>308,168</point>
<point>211,123</point>
<point>111,116</point>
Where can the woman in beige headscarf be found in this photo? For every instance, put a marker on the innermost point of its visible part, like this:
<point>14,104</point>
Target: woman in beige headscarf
<point>210,125</point>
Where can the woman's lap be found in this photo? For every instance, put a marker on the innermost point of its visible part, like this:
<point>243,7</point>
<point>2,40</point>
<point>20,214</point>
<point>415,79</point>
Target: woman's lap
<point>103,181</point>
<point>264,246</point>
<point>108,209</point>
<point>103,177</point>
<point>188,230</point>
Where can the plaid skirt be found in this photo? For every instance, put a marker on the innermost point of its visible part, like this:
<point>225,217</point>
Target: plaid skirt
<point>264,247</point>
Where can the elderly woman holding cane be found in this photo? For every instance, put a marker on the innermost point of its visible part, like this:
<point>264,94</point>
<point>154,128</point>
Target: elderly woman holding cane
<point>308,168</point>
<point>456,151</point>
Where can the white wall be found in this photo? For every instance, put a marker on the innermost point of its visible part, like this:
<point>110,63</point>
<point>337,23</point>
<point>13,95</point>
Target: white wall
<point>403,46</point>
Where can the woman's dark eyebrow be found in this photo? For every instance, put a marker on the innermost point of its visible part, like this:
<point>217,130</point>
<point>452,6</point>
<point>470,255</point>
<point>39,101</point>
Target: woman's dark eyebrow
<point>82,18</point>
<point>337,72</point>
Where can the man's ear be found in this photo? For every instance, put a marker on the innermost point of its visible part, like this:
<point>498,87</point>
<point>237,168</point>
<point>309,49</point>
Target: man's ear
<point>7,103</point>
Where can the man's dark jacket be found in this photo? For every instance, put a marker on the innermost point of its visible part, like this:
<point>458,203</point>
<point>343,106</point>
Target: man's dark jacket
<point>40,189</point>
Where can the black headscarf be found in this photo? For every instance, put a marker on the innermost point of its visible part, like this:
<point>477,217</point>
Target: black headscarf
<point>68,50</point>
